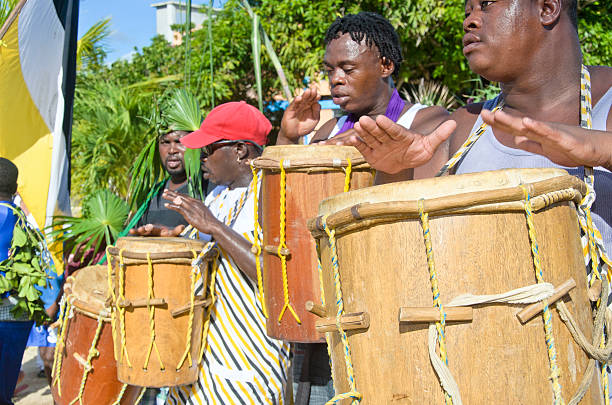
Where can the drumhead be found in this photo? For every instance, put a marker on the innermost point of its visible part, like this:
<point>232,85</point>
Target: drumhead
<point>87,289</point>
<point>448,186</point>
<point>309,156</point>
<point>159,245</point>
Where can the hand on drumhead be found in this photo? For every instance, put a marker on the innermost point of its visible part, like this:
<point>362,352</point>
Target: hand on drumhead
<point>564,145</point>
<point>157,230</point>
<point>301,117</point>
<point>193,210</point>
<point>391,148</point>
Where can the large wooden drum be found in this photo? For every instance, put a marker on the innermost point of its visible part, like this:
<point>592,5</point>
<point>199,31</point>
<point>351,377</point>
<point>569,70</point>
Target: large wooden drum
<point>159,302</point>
<point>479,244</point>
<point>84,366</point>
<point>311,173</point>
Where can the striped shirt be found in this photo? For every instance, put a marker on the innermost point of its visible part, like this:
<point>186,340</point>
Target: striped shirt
<point>241,364</point>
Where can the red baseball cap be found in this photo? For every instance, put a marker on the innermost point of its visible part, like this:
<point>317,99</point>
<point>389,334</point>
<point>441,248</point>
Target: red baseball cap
<point>230,121</point>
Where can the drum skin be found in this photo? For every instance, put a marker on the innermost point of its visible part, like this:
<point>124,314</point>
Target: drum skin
<point>102,386</point>
<point>171,282</point>
<point>383,266</point>
<point>305,188</point>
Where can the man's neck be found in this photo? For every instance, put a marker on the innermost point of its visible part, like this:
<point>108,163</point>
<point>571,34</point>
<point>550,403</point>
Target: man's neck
<point>177,182</point>
<point>548,87</point>
<point>381,105</point>
<point>6,197</point>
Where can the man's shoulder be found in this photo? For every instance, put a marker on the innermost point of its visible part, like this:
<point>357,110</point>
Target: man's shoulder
<point>601,81</point>
<point>465,117</point>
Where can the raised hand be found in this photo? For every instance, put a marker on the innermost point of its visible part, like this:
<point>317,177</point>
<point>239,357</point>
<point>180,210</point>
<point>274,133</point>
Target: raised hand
<point>564,145</point>
<point>193,210</point>
<point>157,230</point>
<point>391,148</point>
<point>300,118</point>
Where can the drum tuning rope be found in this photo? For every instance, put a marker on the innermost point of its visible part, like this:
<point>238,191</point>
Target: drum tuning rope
<point>194,270</point>
<point>142,392</point>
<point>151,308</point>
<point>433,278</point>
<point>113,299</point>
<point>122,392</point>
<point>546,313</point>
<point>353,393</point>
<point>121,278</point>
<point>283,244</point>
<point>256,248</point>
<point>347,175</point>
<point>61,343</point>
<point>93,352</point>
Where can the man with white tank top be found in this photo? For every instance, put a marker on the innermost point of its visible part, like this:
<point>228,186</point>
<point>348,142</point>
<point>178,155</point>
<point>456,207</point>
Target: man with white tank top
<point>361,55</point>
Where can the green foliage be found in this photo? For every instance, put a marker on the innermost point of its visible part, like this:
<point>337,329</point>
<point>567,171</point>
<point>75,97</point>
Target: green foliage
<point>430,93</point>
<point>104,215</point>
<point>595,31</point>
<point>482,90</point>
<point>6,6</point>
<point>90,47</point>
<point>24,270</point>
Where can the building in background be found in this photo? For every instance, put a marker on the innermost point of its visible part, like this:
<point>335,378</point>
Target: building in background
<point>169,13</point>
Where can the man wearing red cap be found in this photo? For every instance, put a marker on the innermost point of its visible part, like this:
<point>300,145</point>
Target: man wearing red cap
<point>241,364</point>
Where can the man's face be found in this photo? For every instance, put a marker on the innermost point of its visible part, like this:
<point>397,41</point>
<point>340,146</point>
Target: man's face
<point>172,151</point>
<point>218,164</point>
<point>499,37</point>
<point>356,74</point>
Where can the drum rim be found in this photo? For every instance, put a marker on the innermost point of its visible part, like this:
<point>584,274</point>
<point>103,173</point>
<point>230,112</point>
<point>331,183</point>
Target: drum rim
<point>270,160</point>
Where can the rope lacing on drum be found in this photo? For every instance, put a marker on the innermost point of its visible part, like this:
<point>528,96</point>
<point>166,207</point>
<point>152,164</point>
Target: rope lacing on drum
<point>353,393</point>
<point>61,343</point>
<point>112,298</point>
<point>194,271</point>
<point>87,367</point>
<point>256,248</point>
<point>121,278</point>
<point>151,308</point>
<point>546,313</point>
<point>347,175</point>
<point>282,245</point>
<point>433,278</point>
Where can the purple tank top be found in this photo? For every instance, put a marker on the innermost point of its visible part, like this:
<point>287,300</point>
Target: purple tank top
<point>489,154</point>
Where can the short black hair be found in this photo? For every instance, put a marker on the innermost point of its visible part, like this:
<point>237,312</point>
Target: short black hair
<point>8,177</point>
<point>376,30</point>
<point>571,8</point>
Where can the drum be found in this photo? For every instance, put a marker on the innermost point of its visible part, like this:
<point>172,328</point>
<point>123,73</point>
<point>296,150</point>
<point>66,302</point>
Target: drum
<point>439,287</point>
<point>84,365</point>
<point>291,196</point>
<point>159,301</point>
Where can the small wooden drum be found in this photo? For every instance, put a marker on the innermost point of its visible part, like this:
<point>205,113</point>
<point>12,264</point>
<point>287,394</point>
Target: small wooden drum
<point>310,174</point>
<point>408,253</point>
<point>159,303</point>
<point>84,364</point>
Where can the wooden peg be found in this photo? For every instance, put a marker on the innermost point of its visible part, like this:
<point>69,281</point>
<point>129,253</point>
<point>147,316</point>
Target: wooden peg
<point>431,314</point>
<point>81,361</point>
<point>527,313</point>
<point>185,308</point>
<point>594,291</point>
<point>313,308</point>
<point>273,250</point>
<point>358,320</point>
<point>142,302</point>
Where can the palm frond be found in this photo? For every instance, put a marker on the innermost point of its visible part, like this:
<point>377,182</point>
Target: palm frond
<point>90,46</point>
<point>430,93</point>
<point>6,6</point>
<point>182,112</point>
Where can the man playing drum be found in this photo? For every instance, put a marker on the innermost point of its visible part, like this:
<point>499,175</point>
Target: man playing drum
<point>240,364</point>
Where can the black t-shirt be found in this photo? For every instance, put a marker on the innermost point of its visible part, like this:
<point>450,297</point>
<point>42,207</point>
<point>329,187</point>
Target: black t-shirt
<point>158,214</point>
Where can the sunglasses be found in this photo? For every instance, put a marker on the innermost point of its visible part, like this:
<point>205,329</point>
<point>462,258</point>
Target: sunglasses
<point>210,149</point>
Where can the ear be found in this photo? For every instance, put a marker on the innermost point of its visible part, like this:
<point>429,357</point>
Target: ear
<point>386,67</point>
<point>550,11</point>
<point>242,151</point>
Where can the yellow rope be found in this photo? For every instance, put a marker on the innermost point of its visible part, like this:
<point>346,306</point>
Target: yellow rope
<point>433,278</point>
<point>93,352</point>
<point>347,175</point>
<point>142,392</point>
<point>122,393</point>
<point>121,278</point>
<point>283,245</point>
<point>151,309</point>
<point>187,354</point>
<point>546,314</point>
<point>257,241</point>
<point>113,300</point>
<point>353,393</point>
<point>213,298</point>
<point>61,344</point>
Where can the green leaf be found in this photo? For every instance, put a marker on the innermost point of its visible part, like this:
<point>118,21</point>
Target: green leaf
<point>19,237</point>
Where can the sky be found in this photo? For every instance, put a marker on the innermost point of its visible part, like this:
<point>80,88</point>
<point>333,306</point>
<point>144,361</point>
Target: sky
<point>132,23</point>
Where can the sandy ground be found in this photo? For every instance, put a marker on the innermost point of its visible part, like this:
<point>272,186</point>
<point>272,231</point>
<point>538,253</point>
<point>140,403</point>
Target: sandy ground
<point>37,392</point>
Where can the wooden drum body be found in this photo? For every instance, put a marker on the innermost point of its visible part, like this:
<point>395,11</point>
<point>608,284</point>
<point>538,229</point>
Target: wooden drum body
<point>480,246</point>
<point>312,174</point>
<point>87,333</point>
<point>158,327</point>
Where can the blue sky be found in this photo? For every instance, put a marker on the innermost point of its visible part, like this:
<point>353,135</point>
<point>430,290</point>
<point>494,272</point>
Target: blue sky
<point>132,23</point>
